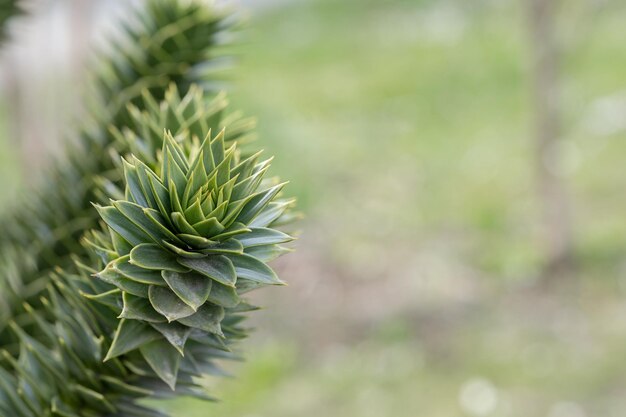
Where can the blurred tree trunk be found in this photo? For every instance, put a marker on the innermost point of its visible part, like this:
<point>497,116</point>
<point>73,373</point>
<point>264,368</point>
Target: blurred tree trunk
<point>556,239</point>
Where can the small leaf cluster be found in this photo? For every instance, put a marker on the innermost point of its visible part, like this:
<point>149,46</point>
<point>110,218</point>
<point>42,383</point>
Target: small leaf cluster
<point>188,239</point>
<point>57,322</point>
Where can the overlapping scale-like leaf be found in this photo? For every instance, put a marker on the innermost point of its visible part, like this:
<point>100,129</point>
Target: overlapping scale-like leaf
<point>192,234</point>
<point>57,323</point>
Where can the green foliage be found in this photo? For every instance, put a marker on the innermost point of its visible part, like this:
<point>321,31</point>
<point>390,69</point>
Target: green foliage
<point>190,235</point>
<point>186,234</point>
<point>44,230</point>
<point>8,9</point>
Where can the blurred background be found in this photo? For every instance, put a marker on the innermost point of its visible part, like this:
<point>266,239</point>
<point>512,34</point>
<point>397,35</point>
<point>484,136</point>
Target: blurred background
<point>460,165</point>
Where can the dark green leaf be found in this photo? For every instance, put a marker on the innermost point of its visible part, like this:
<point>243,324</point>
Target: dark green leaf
<point>194,214</point>
<point>130,334</point>
<point>133,185</point>
<point>227,246</point>
<point>267,253</point>
<point>136,214</point>
<point>249,185</point>
<point>152,256</point>
<point>208,318</point>
<point>167,303</point>
<point>209,227</point>
<point>223,295</point>
<point>181,224</point>
<point>161,223</point>
<point>120,223</point>
<point>251,268</point>
<point>259,236</point>
<point>258,203</point>
<point>234,209</point>
<point>207,153</point>
<point>244,168</point>
<point>174,200</point>
<point>233,230</point>
<point>164,359</point>
<point>197,178</point>
<point>138,308</point>
<point>218,267</point>
<point>191,287</point>
<point>176,153</point>
<point>223,169</point>
<point>112,277</point>
<point>217,213</point>
<point>172,171</point>
<point>243,307</point>
<point>272,212</point>
<point>175,333</point>
<point>182,252</point>
<point>136,273</point>
<point>121,245</point>
<point>161,195</point>
<point>217,147</point>
<point>143,174</point>
<point>111,298</point>
<point>195,241</point>
<point>246,285</point>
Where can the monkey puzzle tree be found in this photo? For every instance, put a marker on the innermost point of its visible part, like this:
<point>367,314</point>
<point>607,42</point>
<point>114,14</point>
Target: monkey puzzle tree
<point>123,275</point>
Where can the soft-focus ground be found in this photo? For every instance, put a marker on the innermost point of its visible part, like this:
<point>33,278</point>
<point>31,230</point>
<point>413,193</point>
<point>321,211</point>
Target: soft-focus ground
<point>404,127</point>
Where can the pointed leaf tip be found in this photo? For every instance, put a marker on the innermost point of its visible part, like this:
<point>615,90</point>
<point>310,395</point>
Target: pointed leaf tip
<point>192,288</point>
<point>164,360</point>
<point>166,302</point>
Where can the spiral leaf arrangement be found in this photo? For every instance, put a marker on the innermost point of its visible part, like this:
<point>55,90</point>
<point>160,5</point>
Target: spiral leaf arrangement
<point>188,239</point>
<point>96,316</point>
<point>164,43</point>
